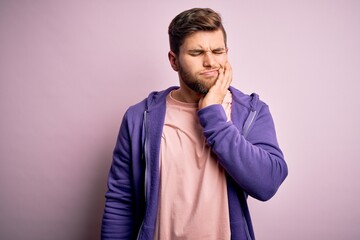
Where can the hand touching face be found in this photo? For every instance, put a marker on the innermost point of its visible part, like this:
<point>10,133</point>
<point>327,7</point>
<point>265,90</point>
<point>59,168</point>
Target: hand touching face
<point>217,92</point>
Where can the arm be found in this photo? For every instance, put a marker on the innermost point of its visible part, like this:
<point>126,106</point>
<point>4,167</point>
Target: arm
<point>118,217</point>
<point>255,163</point>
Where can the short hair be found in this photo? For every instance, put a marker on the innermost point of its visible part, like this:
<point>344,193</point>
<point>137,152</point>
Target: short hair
<point>191,21</point>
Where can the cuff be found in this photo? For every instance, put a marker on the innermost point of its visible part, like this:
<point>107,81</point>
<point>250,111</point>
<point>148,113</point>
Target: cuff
<point>212,115</point>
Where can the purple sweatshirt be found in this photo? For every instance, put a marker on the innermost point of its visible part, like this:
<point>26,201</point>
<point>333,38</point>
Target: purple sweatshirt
<point>246,147</point>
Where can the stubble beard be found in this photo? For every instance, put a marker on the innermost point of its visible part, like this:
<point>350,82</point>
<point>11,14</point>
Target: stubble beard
<point>196,84</point>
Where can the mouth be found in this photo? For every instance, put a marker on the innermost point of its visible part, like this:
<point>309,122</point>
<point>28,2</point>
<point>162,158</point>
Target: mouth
<point>209,73</point>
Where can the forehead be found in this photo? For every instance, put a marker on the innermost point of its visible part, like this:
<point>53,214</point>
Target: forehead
<point>204,40</point>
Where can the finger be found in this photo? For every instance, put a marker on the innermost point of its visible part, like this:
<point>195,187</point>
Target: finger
<point>223,78</point>
<point>221,73</point>
<point>220,79</point>
<point>225,75</point>
<point>228,75</point>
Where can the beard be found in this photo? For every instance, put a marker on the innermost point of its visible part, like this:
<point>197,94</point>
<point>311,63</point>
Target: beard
<point>196,84</point>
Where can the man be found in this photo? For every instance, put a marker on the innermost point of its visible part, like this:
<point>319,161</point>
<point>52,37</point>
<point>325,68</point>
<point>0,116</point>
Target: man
<point>186,158</point>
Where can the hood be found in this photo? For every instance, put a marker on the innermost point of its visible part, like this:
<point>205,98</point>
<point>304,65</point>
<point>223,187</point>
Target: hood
<point>248,101</point>
<point>156,98</point>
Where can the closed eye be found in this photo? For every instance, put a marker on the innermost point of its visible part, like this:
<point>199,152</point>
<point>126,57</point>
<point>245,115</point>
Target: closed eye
<point>219,51</point>
<point>198,52</point>
<point>195,53</point>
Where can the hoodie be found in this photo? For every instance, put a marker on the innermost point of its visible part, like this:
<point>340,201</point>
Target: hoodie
<point>246,147</point>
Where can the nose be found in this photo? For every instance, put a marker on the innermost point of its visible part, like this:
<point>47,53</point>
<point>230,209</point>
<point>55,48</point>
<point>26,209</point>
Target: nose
<point>208,59</point>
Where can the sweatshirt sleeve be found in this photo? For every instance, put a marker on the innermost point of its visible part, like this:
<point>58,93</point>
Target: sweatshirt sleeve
<point>117,220</point>
<point>256,163</point>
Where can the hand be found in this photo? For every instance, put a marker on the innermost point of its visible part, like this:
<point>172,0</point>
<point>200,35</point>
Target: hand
<point>218,91</point>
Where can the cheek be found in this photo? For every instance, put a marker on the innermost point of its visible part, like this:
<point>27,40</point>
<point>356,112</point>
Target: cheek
<point>222,60</point>
<point>190,65</point>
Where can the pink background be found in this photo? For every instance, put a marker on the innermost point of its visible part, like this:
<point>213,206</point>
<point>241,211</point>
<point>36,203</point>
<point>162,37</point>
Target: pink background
<point>69,70</point>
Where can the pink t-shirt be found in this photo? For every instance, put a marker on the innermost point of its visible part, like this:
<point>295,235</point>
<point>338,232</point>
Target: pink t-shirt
<point>193,200</point>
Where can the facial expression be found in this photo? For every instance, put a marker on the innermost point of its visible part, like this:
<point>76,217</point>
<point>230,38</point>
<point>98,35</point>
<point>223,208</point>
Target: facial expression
<point>200,58</point>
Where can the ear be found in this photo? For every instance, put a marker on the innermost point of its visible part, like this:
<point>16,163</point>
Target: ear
<point>173,61</point>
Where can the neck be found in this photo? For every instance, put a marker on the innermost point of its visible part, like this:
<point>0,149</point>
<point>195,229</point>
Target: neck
<point>186,95</point>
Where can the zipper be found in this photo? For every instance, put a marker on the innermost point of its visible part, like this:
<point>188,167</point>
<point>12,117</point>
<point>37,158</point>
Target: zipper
<point>145,158</point>
<point>247,230</point>
<point>145,150</point>
<point>246,224</point>
<point>248,122</point>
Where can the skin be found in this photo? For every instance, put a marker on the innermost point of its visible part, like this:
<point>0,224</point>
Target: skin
<point>203,68</point>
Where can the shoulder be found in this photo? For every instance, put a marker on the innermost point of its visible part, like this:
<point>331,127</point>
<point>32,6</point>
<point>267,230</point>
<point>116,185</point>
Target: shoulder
<point>153,100</point>
<point>252,102</point>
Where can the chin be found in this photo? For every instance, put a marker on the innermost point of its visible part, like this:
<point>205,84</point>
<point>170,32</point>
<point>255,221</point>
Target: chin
<point>201,88</point>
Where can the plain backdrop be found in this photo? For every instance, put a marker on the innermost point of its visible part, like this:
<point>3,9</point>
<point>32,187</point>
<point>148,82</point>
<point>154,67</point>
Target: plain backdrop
<point>70,69</point>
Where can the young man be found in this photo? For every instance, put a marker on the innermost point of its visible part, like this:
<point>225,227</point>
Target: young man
<point>186,158</point>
